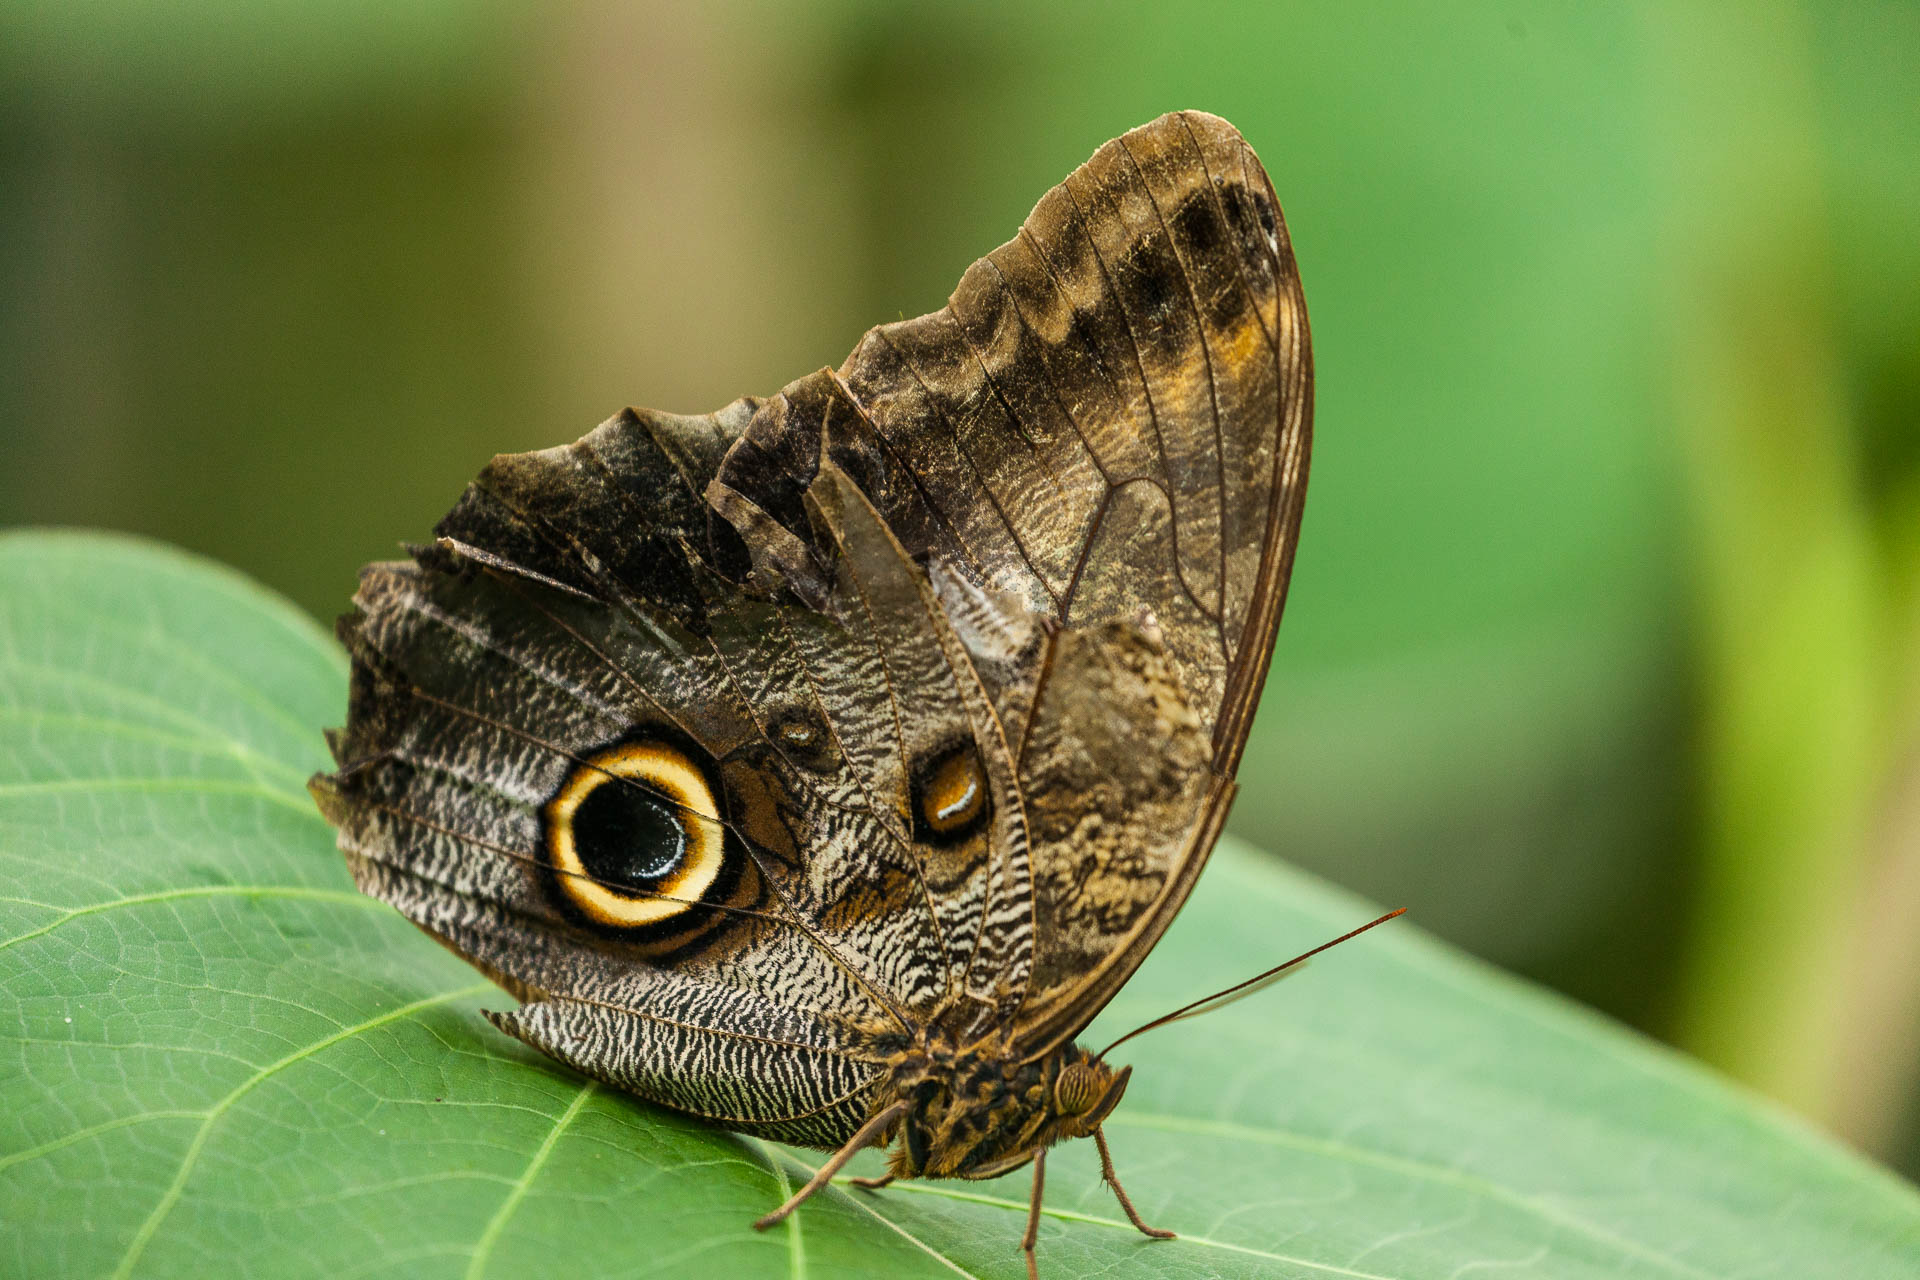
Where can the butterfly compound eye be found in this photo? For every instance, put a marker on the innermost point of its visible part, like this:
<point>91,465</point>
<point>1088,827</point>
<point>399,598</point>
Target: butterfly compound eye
<point>953,796</point>
<point>634,836</point>
<point>1077,1089</point>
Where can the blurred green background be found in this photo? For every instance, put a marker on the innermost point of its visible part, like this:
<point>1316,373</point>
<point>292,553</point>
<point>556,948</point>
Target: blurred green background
<point>1603,652</point>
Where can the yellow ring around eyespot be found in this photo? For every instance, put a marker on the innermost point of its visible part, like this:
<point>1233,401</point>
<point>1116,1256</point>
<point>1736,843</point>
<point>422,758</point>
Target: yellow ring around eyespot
<point>669,773</point>
<point>955,793</point>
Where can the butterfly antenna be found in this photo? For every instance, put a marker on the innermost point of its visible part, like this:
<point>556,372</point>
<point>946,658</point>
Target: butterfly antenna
<point>1207,1004</point>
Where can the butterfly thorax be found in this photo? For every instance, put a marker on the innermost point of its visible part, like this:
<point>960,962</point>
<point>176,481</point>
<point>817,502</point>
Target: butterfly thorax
<point>979,1110</point>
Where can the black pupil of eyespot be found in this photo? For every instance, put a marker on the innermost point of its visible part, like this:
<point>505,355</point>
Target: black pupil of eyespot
<point>628,836</point>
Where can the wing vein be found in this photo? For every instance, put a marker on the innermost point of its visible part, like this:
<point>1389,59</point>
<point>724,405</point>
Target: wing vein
<point>960,447</point>
<point>1213,389</point>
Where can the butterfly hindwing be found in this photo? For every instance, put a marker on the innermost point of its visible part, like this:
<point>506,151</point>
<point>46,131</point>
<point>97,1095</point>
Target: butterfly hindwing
<point>487,691</point>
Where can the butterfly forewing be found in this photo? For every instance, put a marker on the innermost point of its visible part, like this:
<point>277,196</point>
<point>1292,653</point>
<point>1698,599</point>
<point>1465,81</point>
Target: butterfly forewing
<point>1110,422</point>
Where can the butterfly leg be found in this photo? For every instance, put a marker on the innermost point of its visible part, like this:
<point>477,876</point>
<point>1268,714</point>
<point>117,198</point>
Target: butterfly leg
<point>868,1132</point>
<point>1119,1192</point>
<point>872,1184</point>
<point>1033,1216</point>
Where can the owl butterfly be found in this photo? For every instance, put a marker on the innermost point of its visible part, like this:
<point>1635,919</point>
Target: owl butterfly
<point>821,766</point>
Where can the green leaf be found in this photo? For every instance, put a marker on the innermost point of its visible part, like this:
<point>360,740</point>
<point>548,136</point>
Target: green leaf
<point>215,1057</point>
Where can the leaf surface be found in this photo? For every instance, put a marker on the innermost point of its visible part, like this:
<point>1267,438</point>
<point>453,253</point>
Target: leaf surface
<point>217,1058</point>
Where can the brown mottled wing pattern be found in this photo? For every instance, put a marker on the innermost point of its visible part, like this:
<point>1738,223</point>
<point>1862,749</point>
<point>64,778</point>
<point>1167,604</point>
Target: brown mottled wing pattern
<point>541,628</point>
<point>1108,422</point>
<point>1044,532</point>
<point>534,636</point>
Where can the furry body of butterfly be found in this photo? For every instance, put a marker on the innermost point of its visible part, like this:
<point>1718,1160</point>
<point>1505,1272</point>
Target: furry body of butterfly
<point>821,766</point>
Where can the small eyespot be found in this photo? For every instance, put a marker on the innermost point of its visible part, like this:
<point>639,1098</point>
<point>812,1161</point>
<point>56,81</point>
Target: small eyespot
<point>799,735</point>
<point>953,794</point>
<point>634,836</point>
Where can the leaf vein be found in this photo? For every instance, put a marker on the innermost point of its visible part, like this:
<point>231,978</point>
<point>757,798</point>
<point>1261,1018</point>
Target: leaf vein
<point>490,1236</point>
<point>796,1245</point>
<point>144,1236</point>
<point>134,697</point>
<point>1456,1178</point>
<point>37,717</point>
<point>159,785</point>
<point>81,1135</point>
<point>1072,1215</point>
<point>858,1201</point>
<point>340,897</point>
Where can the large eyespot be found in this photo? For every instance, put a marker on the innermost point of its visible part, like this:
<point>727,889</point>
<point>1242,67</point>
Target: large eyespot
<point>634,836</point>
<point>951,796</point>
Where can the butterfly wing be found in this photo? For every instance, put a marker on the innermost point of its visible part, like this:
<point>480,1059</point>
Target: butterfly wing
<point>564,676</point>
<point>939,666</point>
<point>1108,427</point>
